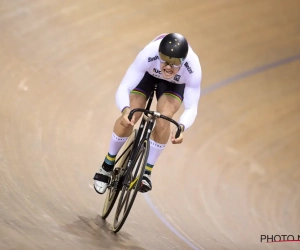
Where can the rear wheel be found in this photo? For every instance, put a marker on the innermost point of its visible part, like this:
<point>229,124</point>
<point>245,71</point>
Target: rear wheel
<point>131,187</point>
<point>113,188</point>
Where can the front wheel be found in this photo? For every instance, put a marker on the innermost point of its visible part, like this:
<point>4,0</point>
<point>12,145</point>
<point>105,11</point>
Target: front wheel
<point>113,188</point>
<point>131,187</point>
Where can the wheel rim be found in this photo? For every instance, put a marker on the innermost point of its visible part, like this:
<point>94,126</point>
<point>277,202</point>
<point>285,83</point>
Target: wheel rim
<point>113,188</point>
<point>129,191</point>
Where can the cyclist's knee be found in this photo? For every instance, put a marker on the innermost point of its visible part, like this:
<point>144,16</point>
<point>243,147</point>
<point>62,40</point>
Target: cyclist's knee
<point>161,126</point>
<point>168,105</point>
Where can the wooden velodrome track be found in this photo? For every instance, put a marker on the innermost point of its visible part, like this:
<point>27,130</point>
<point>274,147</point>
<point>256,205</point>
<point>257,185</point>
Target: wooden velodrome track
<point>235,177</point>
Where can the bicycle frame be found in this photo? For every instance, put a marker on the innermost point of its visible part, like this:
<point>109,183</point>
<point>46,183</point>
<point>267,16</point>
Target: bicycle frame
<point>144,132</point>
<point>125,180</point>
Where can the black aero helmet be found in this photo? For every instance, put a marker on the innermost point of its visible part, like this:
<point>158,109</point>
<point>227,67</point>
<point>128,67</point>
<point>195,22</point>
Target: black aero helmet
<point>174,45</point>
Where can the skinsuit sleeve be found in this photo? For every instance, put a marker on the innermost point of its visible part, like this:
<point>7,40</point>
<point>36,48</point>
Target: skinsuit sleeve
<point>191,99</point>
<point>131,79</point>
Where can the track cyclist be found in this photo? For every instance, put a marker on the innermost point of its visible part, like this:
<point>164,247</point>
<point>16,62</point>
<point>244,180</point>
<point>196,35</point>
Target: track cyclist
<point>169,62</point>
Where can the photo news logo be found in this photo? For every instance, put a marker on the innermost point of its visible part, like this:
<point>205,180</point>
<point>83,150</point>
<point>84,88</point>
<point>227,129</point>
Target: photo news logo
<point>279,238</point>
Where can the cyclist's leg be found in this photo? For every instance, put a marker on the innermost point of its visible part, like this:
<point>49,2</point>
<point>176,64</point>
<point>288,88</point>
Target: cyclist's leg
<point>138,98</point>
<point>170,97</point>
<point>121,133</point>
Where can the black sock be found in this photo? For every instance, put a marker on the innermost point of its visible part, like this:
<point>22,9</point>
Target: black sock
<point>107,167</point>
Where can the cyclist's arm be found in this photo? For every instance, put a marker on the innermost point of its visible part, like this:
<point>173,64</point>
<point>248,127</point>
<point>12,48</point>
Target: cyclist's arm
<point>131,79</point>
<point>191,100</point>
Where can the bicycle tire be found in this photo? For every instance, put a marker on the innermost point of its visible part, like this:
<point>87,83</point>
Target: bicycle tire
<point>113,188</point>
<point>140,158</point>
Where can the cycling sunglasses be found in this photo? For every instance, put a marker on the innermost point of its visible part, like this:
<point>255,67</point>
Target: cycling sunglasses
<point>172,61</point>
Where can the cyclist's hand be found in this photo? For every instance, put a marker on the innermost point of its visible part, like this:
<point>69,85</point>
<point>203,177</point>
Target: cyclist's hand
<point>179,139</point>
<point>124,119</point>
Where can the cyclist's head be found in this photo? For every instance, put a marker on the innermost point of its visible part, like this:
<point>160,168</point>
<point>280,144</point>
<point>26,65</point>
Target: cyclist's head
<point>173,49</point>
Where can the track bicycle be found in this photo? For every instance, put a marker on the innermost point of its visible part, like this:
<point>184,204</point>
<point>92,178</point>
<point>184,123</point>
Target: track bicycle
<point>130,165</point>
